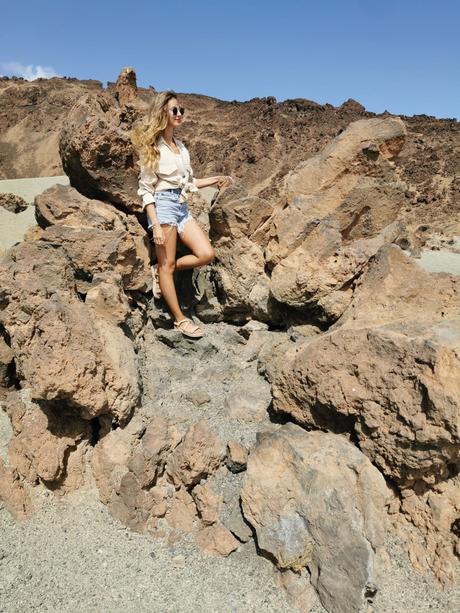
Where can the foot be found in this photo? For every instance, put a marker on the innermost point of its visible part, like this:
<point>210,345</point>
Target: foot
<point>188,328</point>
<point>156,282</point>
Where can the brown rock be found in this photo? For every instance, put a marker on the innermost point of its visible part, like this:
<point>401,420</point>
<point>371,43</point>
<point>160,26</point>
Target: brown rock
<point>95,236</point>
<point>128,466</point>
<point>62,349</point>
<point>320,186</point>
<point>48,445</point>
<point>241,278</point>
<point>199,455</point>
<point>126,86</point>
<point>208,503</point>
<point>322,265</point>
<point>235,213</point>
<point>183,513</point>
<point>13,493</point>
<point>386,135</point>
<point>237,456</point>
<point>95,146</point>
<point>216,540</point>
<point>396,289</point>
<point>435,514</point>
<point>394,386</point>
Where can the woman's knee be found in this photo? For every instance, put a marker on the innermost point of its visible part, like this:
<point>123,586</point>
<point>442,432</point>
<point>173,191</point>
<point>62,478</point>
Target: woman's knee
<point>167,266</point>
<point>207,256</point>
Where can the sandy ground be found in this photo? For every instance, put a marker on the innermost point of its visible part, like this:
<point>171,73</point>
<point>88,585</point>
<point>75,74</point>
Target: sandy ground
<point>440,261</point>
<point>14,225</point>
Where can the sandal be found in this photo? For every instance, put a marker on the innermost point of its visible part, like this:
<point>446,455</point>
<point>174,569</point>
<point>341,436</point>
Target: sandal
<point>188,328</point>
<point>156,289</point>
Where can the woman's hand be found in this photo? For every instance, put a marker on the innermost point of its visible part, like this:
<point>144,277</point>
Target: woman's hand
<point>225,181</point>
<point>158,234</point>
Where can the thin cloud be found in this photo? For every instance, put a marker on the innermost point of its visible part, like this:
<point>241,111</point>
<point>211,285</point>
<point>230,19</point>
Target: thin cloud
<point>29,72</point>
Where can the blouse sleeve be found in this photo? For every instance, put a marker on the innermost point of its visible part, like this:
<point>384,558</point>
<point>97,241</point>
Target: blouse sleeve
<point>147,181</point>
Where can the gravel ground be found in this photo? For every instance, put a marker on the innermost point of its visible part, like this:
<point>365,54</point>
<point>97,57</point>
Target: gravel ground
<point>71,555</point>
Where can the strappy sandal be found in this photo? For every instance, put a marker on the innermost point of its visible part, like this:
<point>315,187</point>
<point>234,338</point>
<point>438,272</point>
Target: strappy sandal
<point>156,289</point>
<point>188,328</point>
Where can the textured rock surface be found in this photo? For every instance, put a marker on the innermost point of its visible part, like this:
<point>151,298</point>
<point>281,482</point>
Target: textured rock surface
<point>395,387</point>
<point>62,352</point>
<point>315,500</point>
<point>302,241</point>
<point>95,236</point>
<point>96,150</point>
<point>49,445</point>
<point>13,493</point>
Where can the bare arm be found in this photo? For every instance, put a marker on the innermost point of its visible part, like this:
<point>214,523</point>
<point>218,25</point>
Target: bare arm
<point>208,181</point>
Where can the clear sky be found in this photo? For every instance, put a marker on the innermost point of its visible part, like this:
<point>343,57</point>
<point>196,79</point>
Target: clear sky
<point>398,55</point>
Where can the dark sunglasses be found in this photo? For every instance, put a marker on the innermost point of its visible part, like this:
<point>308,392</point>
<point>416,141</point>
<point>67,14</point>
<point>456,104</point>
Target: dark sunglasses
<point>176,110</point>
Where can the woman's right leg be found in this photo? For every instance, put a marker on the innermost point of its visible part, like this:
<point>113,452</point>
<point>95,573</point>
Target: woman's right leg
<point>166,257</point>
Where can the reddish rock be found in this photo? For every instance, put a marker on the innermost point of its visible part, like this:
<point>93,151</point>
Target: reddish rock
<point>208,503</point>
<point>13,494</point>
<point>216,540</point>
<point>200,454</point>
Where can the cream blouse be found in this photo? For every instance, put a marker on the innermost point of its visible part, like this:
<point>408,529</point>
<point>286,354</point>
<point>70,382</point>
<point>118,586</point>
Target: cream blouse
<point>173,171</point>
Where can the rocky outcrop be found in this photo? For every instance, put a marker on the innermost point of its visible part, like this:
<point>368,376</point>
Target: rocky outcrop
<point>94,235</point>
<point>386,374</point>
<point>62,352</point>
<point>49,444</point>
<point>316,501</point>
<point>147,473</point>
<point>96,149</point>
<point>339,207</point>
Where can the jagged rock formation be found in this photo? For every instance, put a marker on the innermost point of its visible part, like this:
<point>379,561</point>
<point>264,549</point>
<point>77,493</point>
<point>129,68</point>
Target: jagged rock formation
<point>339,328</point>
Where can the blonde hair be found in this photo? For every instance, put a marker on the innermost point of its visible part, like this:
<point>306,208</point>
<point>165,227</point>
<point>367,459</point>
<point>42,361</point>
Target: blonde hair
<point>145,134</point>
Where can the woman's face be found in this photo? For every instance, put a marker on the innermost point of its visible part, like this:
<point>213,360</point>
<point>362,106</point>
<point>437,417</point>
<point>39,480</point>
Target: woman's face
<point>173,120</point>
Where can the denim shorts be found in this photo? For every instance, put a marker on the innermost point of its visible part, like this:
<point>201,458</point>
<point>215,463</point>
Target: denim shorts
<point>169,210</point>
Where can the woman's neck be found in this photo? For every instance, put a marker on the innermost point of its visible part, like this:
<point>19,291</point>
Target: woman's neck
<point>168,135</point>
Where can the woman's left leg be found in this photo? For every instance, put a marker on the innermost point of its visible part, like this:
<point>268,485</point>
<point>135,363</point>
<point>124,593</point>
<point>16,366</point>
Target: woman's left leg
<point>196,240</point>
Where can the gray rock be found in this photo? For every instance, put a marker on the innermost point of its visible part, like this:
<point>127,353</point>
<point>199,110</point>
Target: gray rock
<point>316,501</point>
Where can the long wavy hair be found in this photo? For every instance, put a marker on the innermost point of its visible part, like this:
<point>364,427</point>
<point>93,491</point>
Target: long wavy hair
<point>145,134</point>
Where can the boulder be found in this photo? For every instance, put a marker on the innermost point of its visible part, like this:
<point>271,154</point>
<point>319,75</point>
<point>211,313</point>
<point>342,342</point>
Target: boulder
<point>394,387</point>
<point>396,289</point>
<point>63,351</point>
<point>324,266</point>
<point>316,501</point>
<point>334,182</point>
<point>200,454</point>
<point>95,145</point>
<point>48,445</point>
<point>216,540</point>
<point>95,236</point>
<point>128,466</point>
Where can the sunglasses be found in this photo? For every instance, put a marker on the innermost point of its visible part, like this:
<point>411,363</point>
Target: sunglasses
<point>176,110</point>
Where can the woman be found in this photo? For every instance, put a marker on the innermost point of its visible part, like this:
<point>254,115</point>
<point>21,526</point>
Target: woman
<point>165,180</point>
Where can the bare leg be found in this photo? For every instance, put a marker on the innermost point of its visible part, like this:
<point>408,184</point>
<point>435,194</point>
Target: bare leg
<point>166,256</point>
<point>197,241</point>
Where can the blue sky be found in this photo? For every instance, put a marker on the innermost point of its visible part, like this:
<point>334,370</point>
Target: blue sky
<point>403,56</point>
